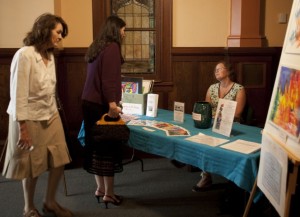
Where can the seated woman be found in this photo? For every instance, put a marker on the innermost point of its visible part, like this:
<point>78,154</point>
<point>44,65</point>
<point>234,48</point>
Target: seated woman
<point>226,88</point>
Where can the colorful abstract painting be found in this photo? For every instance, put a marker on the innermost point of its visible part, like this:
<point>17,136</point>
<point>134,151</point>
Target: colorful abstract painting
<point>293,43</point>
<point>285,112</point>
<point>130,87</point>
<point>132,84</point>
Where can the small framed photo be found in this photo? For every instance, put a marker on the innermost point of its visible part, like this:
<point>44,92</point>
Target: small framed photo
<point>132,85</point>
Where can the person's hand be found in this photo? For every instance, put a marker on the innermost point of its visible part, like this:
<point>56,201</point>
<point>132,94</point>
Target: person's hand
<point>25,142</point>
<point>114,111</point>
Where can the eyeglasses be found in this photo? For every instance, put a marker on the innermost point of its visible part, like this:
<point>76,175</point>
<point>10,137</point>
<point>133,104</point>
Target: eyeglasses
<point>219,69</point>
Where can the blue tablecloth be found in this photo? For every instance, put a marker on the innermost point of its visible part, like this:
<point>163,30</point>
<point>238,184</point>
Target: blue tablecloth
<point>240,168</point>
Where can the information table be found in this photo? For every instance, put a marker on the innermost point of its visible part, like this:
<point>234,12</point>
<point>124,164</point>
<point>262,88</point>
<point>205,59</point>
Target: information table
<point>240,168</point>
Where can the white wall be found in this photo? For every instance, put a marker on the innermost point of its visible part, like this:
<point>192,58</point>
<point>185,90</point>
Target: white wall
<point>78,16</point>
<point>196,23</point>
<point>211,26</point>
<point>275,31</point>
<point>17,18</point>
<point>208,28</point>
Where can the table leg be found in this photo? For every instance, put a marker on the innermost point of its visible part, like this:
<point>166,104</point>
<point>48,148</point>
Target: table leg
<point>133,159</point>
<point>65,184</point>
<point>247,209</point>
<point>291,187</point>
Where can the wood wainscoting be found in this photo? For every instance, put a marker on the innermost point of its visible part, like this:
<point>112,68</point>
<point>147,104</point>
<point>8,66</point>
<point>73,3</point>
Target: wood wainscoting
<point>190,75</point>
<point>255,68</point>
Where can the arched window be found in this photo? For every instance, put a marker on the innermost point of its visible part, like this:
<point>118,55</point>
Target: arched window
<point>148,34</point>
<point>139,45</point>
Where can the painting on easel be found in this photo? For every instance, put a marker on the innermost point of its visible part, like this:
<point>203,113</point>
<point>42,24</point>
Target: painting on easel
<point>293,42</point>
<point>285,110</point>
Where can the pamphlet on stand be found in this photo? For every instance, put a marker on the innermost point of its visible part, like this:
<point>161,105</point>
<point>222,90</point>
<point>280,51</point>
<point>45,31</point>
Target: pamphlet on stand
<point>179,112</point>
<point>134,103</point>
<point>224,117</point>
<point>134,94</point>
<point>152,104</point>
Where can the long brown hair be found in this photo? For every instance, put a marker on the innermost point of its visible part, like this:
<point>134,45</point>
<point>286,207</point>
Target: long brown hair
<point>110,32</point>
<point>40,34</point>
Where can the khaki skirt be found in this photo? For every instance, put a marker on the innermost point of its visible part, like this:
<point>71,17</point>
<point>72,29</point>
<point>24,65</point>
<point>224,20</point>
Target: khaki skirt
<point>50,149</point>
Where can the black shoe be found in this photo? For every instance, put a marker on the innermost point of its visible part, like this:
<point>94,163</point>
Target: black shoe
<point>115,201</point>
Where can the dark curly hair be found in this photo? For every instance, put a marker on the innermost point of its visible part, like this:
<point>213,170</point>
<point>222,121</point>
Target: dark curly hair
<point>40,34</point>
<point>109,33</point>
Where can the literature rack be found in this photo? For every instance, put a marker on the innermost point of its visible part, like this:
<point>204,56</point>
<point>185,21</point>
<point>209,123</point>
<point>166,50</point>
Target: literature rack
<point>134,96</point>
<point>134,103</point>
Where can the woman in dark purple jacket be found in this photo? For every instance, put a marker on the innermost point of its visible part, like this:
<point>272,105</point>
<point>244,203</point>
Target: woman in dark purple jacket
<point>102,94</point>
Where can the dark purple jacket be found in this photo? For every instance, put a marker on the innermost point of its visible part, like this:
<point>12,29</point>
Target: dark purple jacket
<point>103,80</point>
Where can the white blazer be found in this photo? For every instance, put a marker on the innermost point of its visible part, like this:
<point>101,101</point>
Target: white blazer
<point>32,86</point>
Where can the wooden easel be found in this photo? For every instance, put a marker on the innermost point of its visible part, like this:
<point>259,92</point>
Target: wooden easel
<point>290,56</point>
<point>291,185</point>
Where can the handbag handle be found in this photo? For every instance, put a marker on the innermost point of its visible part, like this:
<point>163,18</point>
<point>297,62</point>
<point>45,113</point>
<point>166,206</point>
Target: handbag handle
<point>106,120</point>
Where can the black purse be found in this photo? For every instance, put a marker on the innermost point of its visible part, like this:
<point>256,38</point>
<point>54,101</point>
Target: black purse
<point>110,130</point>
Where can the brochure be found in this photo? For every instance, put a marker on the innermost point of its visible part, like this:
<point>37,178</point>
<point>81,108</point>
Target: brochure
<point>179,112</point>
<point>224,117</point>
<point>152,104</point>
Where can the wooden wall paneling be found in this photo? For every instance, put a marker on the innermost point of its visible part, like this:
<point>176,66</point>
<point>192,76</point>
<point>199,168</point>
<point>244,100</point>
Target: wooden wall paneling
<point>6,55</point>
<point>206,58</point>
<point>100,11</point>
<point>75,73</point>
<point>252,74</point>
<point>164,68</point>
<point>163,89</point>
<point>71,73</point>
<point>207,77</point>
<point>4,99</point>
<point>185,79</point>
<point>258,96</point>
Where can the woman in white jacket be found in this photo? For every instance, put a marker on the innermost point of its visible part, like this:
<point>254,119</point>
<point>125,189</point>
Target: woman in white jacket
<point>36,140</point>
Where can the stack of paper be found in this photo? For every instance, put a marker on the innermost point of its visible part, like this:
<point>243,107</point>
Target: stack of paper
<point>242,146</point>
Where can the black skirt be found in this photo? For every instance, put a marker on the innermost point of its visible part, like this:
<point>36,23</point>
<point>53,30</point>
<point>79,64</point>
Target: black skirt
<point>100,158</point>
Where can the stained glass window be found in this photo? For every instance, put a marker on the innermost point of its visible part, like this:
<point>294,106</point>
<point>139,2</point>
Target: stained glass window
<point>138,48</point>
